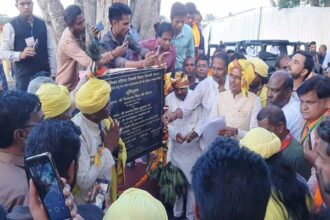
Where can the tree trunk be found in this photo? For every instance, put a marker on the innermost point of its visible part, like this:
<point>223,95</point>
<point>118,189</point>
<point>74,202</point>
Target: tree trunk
<point>326,3</point>
<point>80,3</point>
<point>145,13</point>
<point>102,14</point>
<point>52,11</point>
<point>90,17</point>
<point>315,3</point>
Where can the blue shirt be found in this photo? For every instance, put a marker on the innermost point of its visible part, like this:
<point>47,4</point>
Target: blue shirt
<point>184,45</point>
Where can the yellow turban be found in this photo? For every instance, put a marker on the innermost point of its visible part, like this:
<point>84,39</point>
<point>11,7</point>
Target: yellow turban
<point>55,99</point>
<point>93,96</point>
<point>247,73</point>
<point>136,204</point>
<point>260,67</point>
<point>180,81</point>
<point>262,142</point>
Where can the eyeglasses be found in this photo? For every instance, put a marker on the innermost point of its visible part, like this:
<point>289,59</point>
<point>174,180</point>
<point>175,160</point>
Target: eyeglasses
<point>189,64</point>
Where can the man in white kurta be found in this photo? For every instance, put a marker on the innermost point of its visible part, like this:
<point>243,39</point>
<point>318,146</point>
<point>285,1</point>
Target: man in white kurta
<point>238,106</point>
<point>88,171</point>
<point>280,86</point>
<point>205,93</point>
<point>182,154</point>
<point>96,160</point>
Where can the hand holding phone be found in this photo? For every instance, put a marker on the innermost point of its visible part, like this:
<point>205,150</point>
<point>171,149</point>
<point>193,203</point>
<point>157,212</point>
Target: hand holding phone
<point>158,50</point>
<point>100,190</point>
<point>97,29</point>
<point>47,185</point>
<point>126,40</point>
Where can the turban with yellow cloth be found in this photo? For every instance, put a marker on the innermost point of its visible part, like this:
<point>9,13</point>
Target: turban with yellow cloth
<point>136,204</point>
<point>92,97</point>
<point>247,73</point>
<point>262,142</point>
<point>55,99</point>
<point>180,81</point>
<point>260,67</point>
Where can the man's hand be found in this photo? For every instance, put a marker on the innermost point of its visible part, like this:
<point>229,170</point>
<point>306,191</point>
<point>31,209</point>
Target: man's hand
<point>106,58</point>
<point>27,52</point>
<point>191,136</point>
<point>151,59</point>
<point>228,131</point>
<point>179,138</point>
<point>111,137</point>
<point>119,50</point>
<point>310,154</point>
<point>37,209</point>
<point>168,117</point>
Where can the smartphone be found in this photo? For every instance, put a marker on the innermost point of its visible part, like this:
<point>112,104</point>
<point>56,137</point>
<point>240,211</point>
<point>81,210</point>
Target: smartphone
<point>100,190</point>
<point>310,146</point>
<point>41,168</point>
<point>127,39</point>
<point>99,26</point>
<point>158,50</point>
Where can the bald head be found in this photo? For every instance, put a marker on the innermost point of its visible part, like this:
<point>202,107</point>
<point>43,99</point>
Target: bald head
<point>283,76</point>
<point>280,88</point>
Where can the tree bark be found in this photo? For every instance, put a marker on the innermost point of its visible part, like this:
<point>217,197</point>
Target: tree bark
<point>102,14</point>
<point>145,13</point>
<point>52,11</point>
<point>90,17</point>
<point>326,3</point>
<point>80,3</point>
<point>315,3</point>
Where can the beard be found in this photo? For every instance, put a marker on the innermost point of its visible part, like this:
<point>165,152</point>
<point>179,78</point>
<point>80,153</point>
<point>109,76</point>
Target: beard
<point>295,75</point>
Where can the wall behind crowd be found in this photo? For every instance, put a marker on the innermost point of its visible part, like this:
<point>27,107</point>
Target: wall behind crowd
<point>294,24</point>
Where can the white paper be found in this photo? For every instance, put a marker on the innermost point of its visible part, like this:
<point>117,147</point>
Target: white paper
<point>29,41</point>
<point>210,131</point>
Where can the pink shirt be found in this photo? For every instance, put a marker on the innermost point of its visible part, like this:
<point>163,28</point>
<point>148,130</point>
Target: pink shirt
<point>152,45</point>
<point>69,55</point>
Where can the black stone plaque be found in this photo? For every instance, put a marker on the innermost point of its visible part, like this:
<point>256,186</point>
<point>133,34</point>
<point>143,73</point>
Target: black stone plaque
<point>137,103</point>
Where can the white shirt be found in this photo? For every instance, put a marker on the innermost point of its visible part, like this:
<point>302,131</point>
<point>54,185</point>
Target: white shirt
<point>182,155</point>
<point>294,120</point>
<point>88,172</point>
<point>326,61</point>
<point>7,48</point>
<point>205,94</point>
<point>239,111</point>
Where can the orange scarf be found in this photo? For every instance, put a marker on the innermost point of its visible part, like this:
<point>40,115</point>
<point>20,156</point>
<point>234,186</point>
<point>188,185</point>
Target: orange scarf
<point>286,141</point>
<point>318,201</point>
<point>310,126</point>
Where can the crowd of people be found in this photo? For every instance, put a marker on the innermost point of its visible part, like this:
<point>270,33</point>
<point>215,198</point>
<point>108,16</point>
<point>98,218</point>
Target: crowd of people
<point>271,159</point>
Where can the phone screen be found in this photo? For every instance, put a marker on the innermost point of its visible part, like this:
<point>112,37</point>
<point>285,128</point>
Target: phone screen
<point>100,190</point>
<point>127,39</point>
<point>49,189</point>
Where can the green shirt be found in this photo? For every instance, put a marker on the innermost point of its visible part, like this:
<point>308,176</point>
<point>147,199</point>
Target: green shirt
<point>295,155</point>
